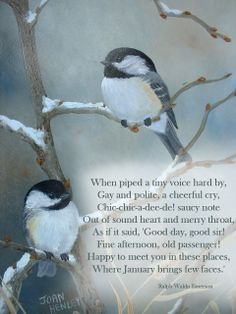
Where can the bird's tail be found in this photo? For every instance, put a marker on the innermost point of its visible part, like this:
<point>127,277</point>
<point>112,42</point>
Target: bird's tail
<point>170,139</point>
<point>46,268</point>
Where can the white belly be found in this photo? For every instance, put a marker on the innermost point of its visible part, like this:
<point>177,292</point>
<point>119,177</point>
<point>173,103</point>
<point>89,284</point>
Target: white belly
<point>130,99</point>
<point>55,230</point>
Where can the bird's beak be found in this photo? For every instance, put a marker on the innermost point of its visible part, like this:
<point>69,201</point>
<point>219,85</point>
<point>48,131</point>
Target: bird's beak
<point>104,62</point>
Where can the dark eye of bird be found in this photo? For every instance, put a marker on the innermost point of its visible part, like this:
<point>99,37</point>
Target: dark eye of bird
<point>51,195</point>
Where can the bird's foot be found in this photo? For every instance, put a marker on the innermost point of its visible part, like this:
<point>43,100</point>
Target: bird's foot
<point>124,123</point>
<point>64,257</point>
<point>147,121</point>
<point>49,255</point>
<point>134,129</point>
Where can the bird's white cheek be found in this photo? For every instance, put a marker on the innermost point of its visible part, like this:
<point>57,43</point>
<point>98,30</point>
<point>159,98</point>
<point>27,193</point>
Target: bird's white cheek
<point>133,65</point>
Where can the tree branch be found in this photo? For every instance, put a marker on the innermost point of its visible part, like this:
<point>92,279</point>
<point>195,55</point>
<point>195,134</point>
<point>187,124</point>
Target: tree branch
<point>53,108</point>
<point>31,136</point>
<point>200,81</point>
<point>165,11</point>
<point>209,108</point>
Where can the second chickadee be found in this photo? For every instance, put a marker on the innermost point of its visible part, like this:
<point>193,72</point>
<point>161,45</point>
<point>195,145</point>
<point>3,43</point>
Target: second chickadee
<point>134,91</point>
<point>51,222</point>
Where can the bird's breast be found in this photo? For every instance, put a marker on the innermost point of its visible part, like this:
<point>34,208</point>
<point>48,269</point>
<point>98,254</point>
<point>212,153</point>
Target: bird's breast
<point>55,230</point>
<point>130,98</point>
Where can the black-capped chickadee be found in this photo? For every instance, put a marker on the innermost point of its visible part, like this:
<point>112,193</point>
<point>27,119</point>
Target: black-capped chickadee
<point>51,222</point>
<point>134,91</point>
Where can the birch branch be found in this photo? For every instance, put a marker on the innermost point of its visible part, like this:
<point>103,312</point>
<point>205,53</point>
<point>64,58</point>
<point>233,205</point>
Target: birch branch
<point>165,11</point>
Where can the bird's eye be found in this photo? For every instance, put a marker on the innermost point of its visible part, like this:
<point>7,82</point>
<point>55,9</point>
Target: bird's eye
<point>119,59</point>
<point>50,195</point>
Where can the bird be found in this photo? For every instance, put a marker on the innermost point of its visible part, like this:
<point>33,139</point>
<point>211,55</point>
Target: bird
<point>50,222</point>
<point>134,91</point>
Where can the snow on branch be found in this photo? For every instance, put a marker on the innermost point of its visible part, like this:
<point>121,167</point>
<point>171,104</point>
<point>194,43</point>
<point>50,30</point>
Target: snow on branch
<point>32,17</point>
<point>32,136</point>
<point>57,107</point>
<point>165,11</point>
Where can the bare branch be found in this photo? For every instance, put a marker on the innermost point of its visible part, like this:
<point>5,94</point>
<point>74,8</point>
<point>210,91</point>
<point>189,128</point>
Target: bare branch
<point>165,11</point>
<point>209,108</point>
<point>31,136</point>
<point>200,81</point>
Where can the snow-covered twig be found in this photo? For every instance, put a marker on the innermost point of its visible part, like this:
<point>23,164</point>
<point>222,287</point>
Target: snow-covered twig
<point>32,17</point>
<point>165,11</point>
<point>32,136</point>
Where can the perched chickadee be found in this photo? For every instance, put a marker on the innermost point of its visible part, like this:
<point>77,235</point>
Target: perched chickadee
<point>51,222</point>
<point>134,91</point>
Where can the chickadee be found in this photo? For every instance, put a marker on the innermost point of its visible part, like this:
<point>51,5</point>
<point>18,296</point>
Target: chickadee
<point>134,91</point>
<point>51,222</point>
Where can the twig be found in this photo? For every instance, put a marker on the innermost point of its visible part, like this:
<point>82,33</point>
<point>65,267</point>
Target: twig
<point>35,255</point>
<point>165,11</point>
<point>209,108</point>
<point>200,81</point>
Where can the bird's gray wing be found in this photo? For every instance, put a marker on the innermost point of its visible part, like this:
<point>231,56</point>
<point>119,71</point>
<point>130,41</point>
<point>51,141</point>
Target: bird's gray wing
<point>161,90</point>
<point>27,215</point>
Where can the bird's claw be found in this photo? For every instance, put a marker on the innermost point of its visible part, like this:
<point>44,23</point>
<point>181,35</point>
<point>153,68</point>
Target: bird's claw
<point>147,121</point>
<point>64,257</point>
<point>49,255</point>
<point>124,123</point>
